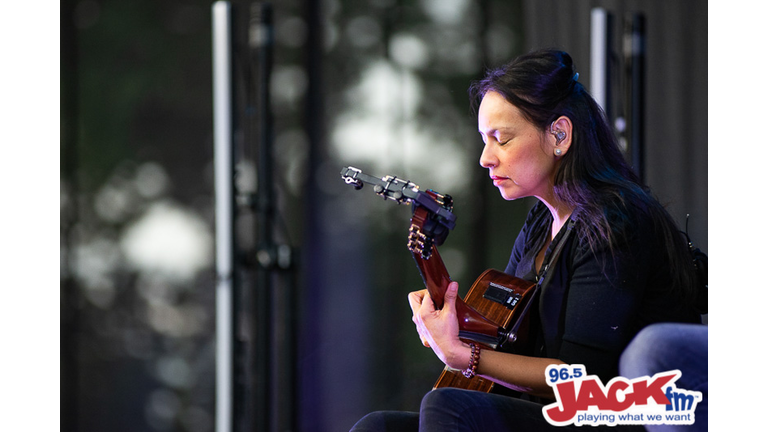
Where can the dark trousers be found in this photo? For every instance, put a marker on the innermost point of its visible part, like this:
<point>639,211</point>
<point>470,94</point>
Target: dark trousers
<point>449,409</point>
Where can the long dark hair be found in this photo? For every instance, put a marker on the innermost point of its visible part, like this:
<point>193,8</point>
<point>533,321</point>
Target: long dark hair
<point>593,176</point>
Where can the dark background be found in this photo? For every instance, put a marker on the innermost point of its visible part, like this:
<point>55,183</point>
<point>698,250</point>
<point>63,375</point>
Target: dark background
<point>377,84</point>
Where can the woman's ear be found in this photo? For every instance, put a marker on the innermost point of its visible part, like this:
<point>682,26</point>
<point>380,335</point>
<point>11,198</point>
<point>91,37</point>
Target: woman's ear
<point>562,132</point>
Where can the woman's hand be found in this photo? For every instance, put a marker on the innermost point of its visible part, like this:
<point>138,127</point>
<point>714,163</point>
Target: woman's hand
<point>439,329</point>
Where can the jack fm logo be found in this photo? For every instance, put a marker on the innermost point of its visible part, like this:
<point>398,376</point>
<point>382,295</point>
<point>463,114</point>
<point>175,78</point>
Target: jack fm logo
<point>582,399</point>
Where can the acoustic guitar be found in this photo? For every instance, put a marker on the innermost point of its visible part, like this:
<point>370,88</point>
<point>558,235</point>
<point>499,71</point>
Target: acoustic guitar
<point>495,307</point>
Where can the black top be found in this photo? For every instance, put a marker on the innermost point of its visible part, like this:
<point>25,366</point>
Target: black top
<point>595,302</point>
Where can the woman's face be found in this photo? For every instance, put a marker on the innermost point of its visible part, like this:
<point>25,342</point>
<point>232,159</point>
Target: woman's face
<point>519,157</point>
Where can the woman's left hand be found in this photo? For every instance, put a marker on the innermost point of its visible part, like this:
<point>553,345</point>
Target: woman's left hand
<point>439,329</point>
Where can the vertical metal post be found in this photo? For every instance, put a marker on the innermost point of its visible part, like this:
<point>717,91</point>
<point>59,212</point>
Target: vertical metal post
<point>224,202</point>
<point>69,292</point>
<point>308,413</point>
<point>600,52</point>
<point>260,40</point>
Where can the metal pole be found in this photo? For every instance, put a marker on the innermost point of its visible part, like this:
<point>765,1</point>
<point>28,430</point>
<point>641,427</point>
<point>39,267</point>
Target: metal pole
<point>70,312</point>
<point>224,202</point>
<point>260,40</point>
<point>600,43</point>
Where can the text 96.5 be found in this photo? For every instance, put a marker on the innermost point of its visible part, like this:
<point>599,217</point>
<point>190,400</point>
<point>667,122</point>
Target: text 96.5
<point>559,373</point>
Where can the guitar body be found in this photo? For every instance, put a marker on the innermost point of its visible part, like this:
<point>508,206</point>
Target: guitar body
<point>494,311</point>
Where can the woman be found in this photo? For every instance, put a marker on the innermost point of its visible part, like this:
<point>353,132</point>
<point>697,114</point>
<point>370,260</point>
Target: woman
<point>622,262</point>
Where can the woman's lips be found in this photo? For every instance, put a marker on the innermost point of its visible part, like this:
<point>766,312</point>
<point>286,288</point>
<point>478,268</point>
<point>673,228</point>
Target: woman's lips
<point>498,180</point>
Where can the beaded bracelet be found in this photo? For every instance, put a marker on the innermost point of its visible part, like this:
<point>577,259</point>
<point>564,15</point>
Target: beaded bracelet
<point>474,359</point>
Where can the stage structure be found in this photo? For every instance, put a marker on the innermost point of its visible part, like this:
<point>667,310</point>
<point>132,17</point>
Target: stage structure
<point>223,129</point>
<point>617,79</point>
<point>255,275</point>
<point>601,41</point>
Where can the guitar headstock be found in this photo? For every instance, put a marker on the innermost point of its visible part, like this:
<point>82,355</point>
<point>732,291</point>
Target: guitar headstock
<point>388,187</point>
<point>433,216</point>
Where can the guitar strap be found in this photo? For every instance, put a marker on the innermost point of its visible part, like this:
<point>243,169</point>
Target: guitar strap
<point>542,280</point>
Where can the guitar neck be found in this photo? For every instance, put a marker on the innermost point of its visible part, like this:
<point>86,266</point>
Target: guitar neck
<point>423,245</point>
<point>434,274</point>
<point>428,260</point>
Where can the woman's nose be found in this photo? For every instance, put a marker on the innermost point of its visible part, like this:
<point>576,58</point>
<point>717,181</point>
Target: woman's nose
<point>487,158</point>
